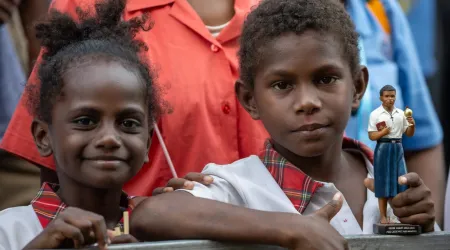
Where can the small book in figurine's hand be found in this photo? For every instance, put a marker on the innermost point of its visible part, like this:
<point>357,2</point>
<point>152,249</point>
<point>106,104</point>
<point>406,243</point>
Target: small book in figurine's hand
<point>381,125</point>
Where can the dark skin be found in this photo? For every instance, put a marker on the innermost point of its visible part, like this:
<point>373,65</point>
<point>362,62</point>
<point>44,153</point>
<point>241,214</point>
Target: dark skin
<point>312,96</point>
<point>99,139</point>
<point>433,176</point>
<point>292,98</point>
<point>312,102</point>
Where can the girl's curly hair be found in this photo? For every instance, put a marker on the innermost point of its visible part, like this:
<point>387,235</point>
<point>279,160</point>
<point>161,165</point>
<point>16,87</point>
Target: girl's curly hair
<point>70,41</point>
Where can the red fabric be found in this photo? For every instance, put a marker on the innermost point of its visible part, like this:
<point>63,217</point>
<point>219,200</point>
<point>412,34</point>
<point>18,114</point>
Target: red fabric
<point>298,186</point>
<point>47,205</point>
<point>205,122</point>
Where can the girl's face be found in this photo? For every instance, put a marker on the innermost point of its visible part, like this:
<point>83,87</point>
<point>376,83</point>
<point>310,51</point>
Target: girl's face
<point>99,135</point>
<point>304,92</point>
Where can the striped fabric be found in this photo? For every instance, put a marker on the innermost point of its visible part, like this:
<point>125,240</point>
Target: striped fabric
<point>298,186</point>
<point>47,205</point>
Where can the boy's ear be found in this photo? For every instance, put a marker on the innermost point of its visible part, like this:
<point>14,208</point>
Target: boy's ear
<point>360,87</point>
<point>40,132</point>
<point>246,98</point>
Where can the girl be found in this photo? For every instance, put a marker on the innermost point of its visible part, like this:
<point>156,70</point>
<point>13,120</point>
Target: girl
<point>93,111</point>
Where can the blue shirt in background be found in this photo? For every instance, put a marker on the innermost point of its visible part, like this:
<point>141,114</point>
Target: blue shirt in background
<point>421,15</point>
<point>392,59</point>
<point>12,79</point>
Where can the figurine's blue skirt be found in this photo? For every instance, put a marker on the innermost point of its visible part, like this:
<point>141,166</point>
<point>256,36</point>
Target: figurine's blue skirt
<point>389,164</point>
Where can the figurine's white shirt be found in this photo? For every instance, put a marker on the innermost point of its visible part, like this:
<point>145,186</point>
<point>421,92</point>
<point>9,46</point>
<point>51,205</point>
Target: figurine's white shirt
<point>395,120</point>
<point>247,183</point>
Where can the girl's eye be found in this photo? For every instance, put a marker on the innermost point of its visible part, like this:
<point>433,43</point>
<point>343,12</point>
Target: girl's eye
<point>281,86</point>
<point>84,121</point>
<point>327,80</point>
<point>130,123</point>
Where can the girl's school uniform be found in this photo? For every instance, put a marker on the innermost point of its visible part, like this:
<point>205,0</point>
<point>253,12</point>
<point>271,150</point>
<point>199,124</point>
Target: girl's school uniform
<point>271,183</point>
<point>19,225</point>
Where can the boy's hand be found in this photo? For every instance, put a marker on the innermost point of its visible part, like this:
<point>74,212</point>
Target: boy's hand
<point>74,227</point>
<point>317,233</point>
<point>184,183</point>
<point>414,206</point>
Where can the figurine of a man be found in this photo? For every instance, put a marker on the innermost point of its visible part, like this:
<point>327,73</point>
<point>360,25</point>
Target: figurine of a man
<point>387,125</point>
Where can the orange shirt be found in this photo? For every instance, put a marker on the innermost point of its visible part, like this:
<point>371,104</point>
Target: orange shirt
<point>197,72</point>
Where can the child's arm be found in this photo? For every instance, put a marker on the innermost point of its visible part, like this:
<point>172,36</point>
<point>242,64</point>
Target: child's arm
<point>179,215</point>
<point>75,227</point>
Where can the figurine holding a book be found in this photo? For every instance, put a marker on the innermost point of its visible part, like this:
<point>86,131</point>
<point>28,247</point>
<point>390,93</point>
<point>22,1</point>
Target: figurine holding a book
<point>386,126</point>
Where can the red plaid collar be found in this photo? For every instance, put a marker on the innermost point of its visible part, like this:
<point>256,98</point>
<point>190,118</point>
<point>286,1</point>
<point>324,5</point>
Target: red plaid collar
<point>298,186</point>
<point>47,205</point>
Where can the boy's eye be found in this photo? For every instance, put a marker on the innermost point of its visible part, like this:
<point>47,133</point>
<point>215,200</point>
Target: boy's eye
<point>130,123</point>
<point>281,86</point>
<point>327,80</point>
<point>84,121</point>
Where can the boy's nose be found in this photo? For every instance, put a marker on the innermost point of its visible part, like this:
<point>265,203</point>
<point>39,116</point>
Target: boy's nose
<point>307,100</point>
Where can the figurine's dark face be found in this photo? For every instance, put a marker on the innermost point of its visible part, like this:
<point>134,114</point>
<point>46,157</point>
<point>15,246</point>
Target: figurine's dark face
<point>303,92</point>
<point>388,99</point>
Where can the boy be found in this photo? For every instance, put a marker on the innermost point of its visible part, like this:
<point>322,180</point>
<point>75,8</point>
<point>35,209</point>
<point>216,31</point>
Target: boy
<point>300,75</point>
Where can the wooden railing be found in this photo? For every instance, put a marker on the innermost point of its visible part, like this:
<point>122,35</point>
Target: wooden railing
<point>431,241</point>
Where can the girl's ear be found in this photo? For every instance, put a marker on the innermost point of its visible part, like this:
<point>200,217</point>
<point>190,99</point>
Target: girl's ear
<point>246,98</point>
<point>360,85</point>
<point>40,132</point>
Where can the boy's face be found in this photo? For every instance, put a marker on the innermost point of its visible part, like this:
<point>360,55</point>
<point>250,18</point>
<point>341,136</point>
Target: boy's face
<point>303,92</point>
<point>99,135</point>
<point>388,98</point>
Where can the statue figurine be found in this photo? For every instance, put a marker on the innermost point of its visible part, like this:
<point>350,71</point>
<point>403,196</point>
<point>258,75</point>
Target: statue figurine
<point>386,126</point>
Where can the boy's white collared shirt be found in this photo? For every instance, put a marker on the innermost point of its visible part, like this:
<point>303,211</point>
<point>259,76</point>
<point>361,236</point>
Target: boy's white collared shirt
<point>396,121</point>
<point>247,183</point>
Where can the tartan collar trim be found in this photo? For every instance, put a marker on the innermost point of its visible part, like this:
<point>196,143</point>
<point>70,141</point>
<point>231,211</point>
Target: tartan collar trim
<point>298,186</point>
<point>47,204</point>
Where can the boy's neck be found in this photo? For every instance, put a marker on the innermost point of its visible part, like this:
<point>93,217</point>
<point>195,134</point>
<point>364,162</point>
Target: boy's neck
<point>213,13</point>
<point>325,167</point>
<point>105,202</point>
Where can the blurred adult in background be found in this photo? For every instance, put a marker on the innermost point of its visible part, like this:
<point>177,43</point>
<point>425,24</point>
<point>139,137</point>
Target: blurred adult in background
<point>19,180</point>
<point>392,59</point>
<point>443,13</point>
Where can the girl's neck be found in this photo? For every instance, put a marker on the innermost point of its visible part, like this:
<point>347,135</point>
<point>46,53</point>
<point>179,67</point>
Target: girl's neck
<point>105,202</point>
<point>324,167</point>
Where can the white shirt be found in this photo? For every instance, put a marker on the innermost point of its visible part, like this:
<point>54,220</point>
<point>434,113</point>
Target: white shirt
<point>396,121</point>
<point>18,226</point>
<point>248,183</point>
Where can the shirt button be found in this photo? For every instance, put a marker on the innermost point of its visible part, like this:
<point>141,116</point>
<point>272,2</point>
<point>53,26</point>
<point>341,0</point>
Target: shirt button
<point>226,108</point>
<point>214,48</point>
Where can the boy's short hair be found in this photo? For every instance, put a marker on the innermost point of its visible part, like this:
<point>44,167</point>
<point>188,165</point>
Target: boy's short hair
<point>387,88</point>
<point>274,18</point>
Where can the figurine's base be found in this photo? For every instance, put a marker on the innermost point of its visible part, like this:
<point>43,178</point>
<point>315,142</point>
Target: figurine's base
<point>397,229</point>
